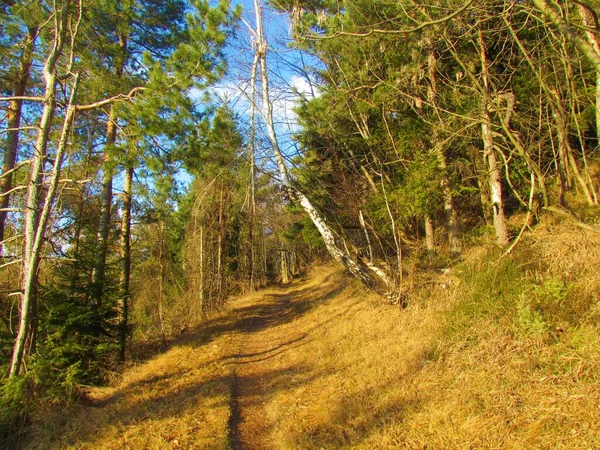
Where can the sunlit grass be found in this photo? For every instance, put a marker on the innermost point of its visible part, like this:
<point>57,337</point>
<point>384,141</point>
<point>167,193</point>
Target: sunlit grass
<point>509,357</point>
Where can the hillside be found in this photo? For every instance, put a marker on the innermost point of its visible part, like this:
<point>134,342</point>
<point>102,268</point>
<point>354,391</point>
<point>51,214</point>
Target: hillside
<point>501,353</point>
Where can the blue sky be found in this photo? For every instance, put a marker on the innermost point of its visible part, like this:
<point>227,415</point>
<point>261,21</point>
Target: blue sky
<point>287,80</point>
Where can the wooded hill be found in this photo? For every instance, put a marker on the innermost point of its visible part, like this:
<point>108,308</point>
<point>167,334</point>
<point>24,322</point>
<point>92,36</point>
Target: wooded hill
<point>432,129</point>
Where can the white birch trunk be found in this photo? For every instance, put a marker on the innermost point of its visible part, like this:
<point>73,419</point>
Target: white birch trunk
<point>33,214</point>
<point>429,238</point>
<point>326,233</point>
<point>489,153</point>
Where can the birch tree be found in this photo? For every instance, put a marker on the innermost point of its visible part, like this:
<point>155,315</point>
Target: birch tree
<point>360,272</point>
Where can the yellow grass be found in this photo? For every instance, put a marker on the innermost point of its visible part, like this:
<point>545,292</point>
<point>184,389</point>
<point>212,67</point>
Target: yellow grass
<point>321,364</point>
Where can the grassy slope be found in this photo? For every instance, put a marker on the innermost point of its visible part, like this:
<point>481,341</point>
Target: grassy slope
<point>503,354</point>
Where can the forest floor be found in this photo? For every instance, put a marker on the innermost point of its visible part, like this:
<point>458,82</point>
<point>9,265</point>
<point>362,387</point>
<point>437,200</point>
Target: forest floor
<point>322,364</point>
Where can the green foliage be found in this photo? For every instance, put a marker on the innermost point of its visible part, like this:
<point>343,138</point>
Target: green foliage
<point>529,320</point>
<point>491,289</point>
<point>15,408</point>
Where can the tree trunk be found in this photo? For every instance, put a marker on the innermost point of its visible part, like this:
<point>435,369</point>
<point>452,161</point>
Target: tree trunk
<point>201,269</point>
<point>495,183</point>
<point>589,21</point>
<point>451,214</point>
<point>429,238</point>
<point>38,213</point>
<point>161,283</point>
<point>292,192</point>
<point>588,50</point>
<point>33,214</point>
<point>220,233</point>
<point>252,208</point>
<point>489,153</point>
<point>13,124</point>
<point>125,260</point>
<point>367,238</point>
<point>284,268</point>
<point>99,272</point>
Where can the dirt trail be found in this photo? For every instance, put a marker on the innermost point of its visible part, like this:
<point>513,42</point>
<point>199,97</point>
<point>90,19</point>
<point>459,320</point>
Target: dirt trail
<point>209,390</point>
<point>260,366</point>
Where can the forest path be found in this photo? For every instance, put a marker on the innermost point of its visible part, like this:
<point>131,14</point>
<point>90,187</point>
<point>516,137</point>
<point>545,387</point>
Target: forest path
<point>260,360</point>
<point>212,388</point>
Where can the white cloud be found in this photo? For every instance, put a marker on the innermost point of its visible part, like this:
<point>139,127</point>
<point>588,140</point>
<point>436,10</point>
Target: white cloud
<point>284,98</point>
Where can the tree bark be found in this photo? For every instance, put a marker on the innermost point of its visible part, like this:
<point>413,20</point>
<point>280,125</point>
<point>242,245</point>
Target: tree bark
<point>37,217</point>
<point>367,238</point>
<point>220,235</point>
<point>291,191</point>
<point>489,152</point>
<point>284,267</point>
<point>588,21</point>
<point>125,260</point>
<point>99,272</point>
<point>13,123</point>
<point>252,208</point>
<point>429,238</point>
<point>161,285</point>
<point>33,214</point>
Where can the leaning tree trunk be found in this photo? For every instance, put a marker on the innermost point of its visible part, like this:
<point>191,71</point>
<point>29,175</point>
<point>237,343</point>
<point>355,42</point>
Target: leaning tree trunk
<point>14,123</point>
<point>36,217</point>
<point>586,48</point>
<point>589,21</point>
<point>290,190</point>
<point>33,214</point>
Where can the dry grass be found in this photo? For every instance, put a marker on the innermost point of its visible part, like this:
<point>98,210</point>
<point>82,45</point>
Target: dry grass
<point>499,361</point>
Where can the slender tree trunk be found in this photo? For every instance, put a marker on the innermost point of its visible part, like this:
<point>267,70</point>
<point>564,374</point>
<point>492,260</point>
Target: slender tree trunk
<point>367,238</point>
<point>589,21</point>
<point>449,209</point>
<point>564,176</point>
<point>38,213</point>
<point>125,260</point>
<point>161,281</point>
<point>14,123</point>
<point>582,181</point>
<point>220,233</point>
<point>33,213</point>
<point>566,164</point>
<point>99,272</point>
<point>106,194</point>
<point>429,238</point>
<point>284,269</point>
<point>495,183</point>
<point>252,208</point>
<point>201,269</point>
<point>326,233</point>
<point>489,152</point>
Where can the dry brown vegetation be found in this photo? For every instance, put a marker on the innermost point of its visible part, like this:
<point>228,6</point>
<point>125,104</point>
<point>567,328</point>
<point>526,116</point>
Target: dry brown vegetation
<point>508,358</point>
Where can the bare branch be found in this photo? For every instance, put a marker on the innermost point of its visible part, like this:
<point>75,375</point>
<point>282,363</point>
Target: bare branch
<point>111,100</point>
